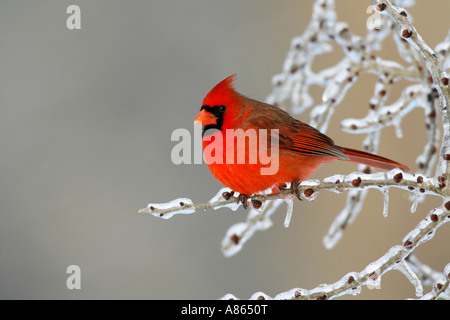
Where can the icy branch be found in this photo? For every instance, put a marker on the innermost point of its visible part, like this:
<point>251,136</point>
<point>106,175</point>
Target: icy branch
<point>434,65</point>
<point>308,189</point>
<point>410,34</point>
<point>395,258</point>
<point>428,70</point>
<point>262,206</point>
<point>427,275</point>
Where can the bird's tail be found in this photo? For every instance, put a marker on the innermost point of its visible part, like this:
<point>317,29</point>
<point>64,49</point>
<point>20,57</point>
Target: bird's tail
<point>372,160</point>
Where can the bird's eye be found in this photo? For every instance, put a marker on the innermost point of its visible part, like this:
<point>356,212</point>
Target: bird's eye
<point>222,108</point>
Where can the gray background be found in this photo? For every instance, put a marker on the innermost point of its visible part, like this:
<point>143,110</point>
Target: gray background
<point>85,125</point>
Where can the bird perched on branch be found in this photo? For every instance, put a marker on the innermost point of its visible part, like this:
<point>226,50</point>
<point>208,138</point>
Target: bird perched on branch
<point>251,146</point>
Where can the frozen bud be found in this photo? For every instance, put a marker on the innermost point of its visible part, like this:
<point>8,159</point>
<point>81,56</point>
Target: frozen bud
<point>308,192</point>
<point>398,177</point>
<point>356,182</point>
<point>381,6</point>
<point>407,33</point>
<point>256,204</point>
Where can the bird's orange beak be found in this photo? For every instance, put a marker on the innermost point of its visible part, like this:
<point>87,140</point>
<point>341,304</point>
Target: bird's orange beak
<point>205,118</point>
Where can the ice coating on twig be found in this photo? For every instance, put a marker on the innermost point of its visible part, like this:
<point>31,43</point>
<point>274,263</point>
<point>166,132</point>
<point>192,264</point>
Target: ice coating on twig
<point>219,197</point>
<point>169,209</point>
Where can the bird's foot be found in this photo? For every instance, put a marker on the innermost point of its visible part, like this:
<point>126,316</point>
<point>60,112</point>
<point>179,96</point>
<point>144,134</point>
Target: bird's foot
<point>294,189</point>
<point>243,199</point>
<point>282,187</point>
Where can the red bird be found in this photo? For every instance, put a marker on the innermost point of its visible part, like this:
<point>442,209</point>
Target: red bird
<point>301,148</point>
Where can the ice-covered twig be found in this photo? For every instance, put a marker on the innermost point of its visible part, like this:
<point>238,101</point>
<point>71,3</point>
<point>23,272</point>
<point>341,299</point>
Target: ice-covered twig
<point>308,189</point>
<point>347,215</point>
<point>178,206</point>
<point>412,97</point>
<point>434,65</point>
<point>410,34</point>
<point>239,233</point>
<point>441,287</point>
<point>291,87</point>
<point>426,274</point>
<point>262,206</point>
<point>394,259</point>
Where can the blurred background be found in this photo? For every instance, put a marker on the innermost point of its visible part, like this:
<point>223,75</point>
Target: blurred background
<point>86,118</point>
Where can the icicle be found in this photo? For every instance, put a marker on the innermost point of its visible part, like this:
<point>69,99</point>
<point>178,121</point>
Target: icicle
<point>385,193</point>
<point>404,268</point>
<point>415,199</point>
<point>398,129</point>
<point>423,271</point>
<point>290,207</point>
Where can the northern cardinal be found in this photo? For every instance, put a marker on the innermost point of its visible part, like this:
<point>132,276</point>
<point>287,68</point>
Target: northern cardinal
<point>301,148</point>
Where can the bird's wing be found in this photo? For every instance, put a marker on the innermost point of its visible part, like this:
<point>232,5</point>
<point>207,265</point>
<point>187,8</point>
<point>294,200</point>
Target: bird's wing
<point>293,134</point>
<point>303,138</point>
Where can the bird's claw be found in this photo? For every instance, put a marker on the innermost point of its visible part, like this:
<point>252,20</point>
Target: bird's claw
<point>294,189</point>
<point>243,199</point>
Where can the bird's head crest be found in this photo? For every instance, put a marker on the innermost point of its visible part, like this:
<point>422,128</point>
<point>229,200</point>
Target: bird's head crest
<point>222,93</point>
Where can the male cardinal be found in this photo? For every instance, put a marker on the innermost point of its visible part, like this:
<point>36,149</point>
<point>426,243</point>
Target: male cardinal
<point>301,148</point>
